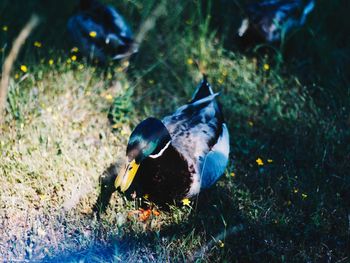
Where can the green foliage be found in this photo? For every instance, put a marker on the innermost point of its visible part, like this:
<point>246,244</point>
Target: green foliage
<point>122,109</point>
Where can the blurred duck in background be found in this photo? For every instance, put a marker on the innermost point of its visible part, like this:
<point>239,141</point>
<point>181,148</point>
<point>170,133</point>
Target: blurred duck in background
<point>100,32</point>
<point>270,21</point>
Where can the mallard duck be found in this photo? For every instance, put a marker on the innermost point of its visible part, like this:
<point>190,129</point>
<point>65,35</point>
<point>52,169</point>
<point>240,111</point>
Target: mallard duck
<point>268,21</point>
<point>180,155</point>
<point>100,32</point>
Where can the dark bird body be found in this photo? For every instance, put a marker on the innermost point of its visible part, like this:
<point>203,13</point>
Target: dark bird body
<point>100,32</point>
<point>269,21</point>
<point>164,180</point>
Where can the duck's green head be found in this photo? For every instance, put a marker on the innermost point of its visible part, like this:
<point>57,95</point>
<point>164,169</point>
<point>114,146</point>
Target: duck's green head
<point>149,139</point>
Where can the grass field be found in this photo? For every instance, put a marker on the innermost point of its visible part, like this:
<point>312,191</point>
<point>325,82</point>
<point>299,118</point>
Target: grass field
<point>285,196</point>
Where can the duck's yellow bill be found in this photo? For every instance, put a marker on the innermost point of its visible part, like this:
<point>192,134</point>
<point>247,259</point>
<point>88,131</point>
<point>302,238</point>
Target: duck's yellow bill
<point>126,176</point>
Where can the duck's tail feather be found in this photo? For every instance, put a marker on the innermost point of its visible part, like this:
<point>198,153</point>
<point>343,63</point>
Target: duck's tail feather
<point>307,10</point>
<point>203,90</point>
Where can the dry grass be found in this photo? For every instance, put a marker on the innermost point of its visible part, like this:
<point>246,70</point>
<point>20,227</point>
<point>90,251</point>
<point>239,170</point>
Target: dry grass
<point>55,160</point>
<point>50,169</point>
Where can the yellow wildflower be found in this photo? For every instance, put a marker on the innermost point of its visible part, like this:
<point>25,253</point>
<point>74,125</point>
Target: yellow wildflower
<point>17,76</point>
<point>117,125</point>
<point>5,28</point>
<point>250,123</point>
<point>146,196</point>
<point>74,50</point>
<point>186,201</point>
<point>43,197</point>
<point>269,160</point>
<point>124,132</point>
<point>51,61</point>
<point>81,66</point>
<point>69,61</point>
<point>190,61</point>
<point>304,196</point>
<point>296,190</point>
<point>259,161</point>
<point>74,58</point>
<point>24,68</point>
<point>232,174</point>
<point>126,63</point>
<point>93,34</point>
<point>220,81</point>
<point>109,97</point>
<point>151,81</point>
<point>38,44</point>
<point>266,67</point>
<point>221,244</point>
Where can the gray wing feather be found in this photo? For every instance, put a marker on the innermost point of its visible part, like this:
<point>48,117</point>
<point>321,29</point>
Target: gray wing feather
<point>200,136</point>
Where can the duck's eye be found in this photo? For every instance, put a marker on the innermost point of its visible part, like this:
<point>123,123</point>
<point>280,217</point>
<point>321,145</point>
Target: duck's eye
<point>130,167</point>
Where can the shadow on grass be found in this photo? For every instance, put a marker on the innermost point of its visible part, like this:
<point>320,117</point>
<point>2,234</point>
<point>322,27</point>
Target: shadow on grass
<point>107,188</point>
<point>146,245</point>
<point>293,209</point>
